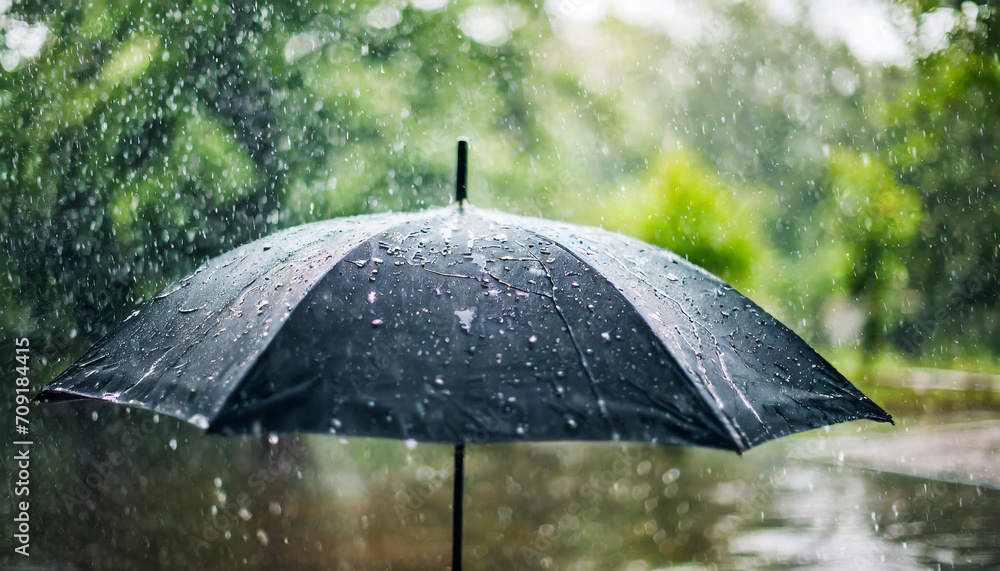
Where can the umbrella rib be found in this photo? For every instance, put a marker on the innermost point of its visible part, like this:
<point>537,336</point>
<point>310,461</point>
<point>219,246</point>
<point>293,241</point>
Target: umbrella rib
<point>173,363</point>
<point>601,404</point>
<point>237,373</point>
<point>515,288</point>
<point>447,275</point>
<point>231,306</point>
<point>734,431</point>
<point>717,351</point>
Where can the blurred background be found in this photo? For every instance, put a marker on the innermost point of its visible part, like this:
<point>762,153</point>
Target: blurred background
<point>836,161</point>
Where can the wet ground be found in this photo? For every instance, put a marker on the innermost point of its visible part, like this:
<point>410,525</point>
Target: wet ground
<point>115,489</point>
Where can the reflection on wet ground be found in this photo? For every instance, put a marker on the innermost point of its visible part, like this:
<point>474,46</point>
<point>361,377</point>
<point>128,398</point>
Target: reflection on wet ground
<point>124,489</point>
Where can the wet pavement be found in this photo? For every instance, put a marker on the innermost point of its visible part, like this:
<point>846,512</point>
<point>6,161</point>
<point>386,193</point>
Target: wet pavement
<point>954,448</point>
<point>861,496</point>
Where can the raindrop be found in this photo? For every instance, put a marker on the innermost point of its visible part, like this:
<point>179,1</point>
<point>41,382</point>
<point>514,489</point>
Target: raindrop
<point>411,444</point>
<point>377,322</point>
<point>533,339</point>
<point>173,444</point>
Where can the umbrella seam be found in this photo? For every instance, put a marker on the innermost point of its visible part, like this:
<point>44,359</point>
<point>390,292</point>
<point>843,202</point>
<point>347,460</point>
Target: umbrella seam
<point>569,329</point>
<point>740,440</point>
<point>263,349</point>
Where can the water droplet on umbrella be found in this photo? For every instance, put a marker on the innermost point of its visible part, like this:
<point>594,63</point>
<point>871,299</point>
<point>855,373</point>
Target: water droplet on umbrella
<point>465,317</point>
<point>377,322</point>
<point>533,339</point>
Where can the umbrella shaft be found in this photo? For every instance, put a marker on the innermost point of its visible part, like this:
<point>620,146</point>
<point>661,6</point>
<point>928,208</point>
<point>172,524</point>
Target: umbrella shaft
<point>456,537</point>
<point>461,172</point>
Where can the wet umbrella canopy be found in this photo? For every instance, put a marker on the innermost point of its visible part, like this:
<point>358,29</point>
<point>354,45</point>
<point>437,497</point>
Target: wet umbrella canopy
<point>459,325</point>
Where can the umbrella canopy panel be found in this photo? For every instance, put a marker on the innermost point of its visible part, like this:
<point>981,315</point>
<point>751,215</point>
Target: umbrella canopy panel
<point>183,352</point>
<point>465,330</point>
<point>766,381</point>
<point>463,325</point>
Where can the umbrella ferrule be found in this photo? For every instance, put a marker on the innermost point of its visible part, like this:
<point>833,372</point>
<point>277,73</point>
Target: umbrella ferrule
<point>462,172</point>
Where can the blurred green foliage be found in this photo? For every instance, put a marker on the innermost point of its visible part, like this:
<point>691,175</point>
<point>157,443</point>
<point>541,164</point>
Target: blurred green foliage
<point>680,203</point>
<point>142,138</point>
<point>857,202</point>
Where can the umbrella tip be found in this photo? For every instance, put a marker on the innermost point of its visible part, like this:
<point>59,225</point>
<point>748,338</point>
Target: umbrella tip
<point>462,172</point>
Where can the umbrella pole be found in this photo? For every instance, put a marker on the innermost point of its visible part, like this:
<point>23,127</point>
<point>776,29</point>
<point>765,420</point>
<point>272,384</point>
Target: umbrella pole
<point>456,519</point>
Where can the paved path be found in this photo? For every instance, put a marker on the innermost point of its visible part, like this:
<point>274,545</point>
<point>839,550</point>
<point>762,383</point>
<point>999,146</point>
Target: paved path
<point>950,450</point>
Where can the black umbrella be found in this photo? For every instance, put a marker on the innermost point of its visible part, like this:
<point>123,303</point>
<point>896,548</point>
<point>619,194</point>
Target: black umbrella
<point>459,325</point>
